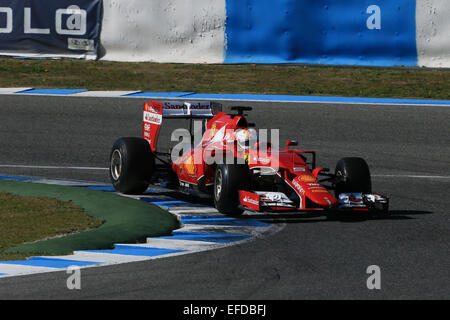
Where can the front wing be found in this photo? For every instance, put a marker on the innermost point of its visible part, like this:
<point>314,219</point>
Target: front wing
<point>262,201</point>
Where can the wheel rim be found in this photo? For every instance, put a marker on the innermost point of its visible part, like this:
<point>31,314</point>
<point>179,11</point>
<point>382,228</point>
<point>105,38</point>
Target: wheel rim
<point>116,165</point>
<point>218,184</point>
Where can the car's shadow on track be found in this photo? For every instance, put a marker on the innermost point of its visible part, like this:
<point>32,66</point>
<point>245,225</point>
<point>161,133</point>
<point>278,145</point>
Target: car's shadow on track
<point>337,216</point>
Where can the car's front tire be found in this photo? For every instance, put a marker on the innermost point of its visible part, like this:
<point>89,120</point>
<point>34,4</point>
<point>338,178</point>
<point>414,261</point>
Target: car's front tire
<point>229,179</point>
<point>132,164</point>
<point>352,176</point>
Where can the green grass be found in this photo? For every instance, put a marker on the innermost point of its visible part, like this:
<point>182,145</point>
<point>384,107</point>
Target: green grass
<point>29,219</point>
<point>125,220</point>
<point>249,78</point>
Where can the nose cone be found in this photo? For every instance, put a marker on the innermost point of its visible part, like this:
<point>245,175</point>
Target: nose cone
<point>315,191</point>
<point>325,199</point>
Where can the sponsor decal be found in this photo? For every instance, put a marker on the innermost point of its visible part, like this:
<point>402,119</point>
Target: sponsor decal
<point>277,199</point>
<point>189,166</point>
<point>200,106</point>
<point>307,178</point>
<point>155,108</point>
<point>352,198</point>
<point>375,198</point>
<point>185,184</point>
<point>299,169</point>
<point>316,187</point>
<point>298,187</point>
<point>53,28</point>
<point>274,196</point>
<point>80,44</point>
<point>348,200</point>
<point>174,105</point>
<point>249,200</point>
<point>152,117</point>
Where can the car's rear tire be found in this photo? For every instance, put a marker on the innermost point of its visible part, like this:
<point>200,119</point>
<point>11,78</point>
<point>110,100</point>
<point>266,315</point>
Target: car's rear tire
<point>132,164</point>
<point>353,176</point>
<point>229,179</point>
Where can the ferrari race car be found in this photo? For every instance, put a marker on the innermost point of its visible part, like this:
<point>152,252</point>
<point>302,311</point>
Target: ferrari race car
<point>221,156</point>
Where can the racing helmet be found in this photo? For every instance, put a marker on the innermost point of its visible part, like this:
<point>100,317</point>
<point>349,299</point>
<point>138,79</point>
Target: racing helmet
<point>246,136</point>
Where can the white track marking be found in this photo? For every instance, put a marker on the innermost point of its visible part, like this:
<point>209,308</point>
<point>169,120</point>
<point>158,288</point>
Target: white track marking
<point>198,211</point>
<point>17,269</point>
<point>104,94</point>
<point>190,245</point>
<point>194,227</point>
<point>12,90</point>
<point>103,258</point>
<point>206,210</point>
<point>411,176</point>
<point>353,103</point>
<point>69,183</point>
<point>14,166</point>
<point>237,230</point>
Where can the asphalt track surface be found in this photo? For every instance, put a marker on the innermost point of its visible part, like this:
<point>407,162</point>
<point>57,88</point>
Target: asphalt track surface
<point>408,151</point>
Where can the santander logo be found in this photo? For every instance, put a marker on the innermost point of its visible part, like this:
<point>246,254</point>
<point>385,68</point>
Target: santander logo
<point>252,201</point>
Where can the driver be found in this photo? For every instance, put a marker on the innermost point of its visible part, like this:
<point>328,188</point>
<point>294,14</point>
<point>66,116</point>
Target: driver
<point>246,138</point>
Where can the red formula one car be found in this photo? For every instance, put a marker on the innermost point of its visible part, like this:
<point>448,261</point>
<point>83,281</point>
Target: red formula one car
<point>222,157</point>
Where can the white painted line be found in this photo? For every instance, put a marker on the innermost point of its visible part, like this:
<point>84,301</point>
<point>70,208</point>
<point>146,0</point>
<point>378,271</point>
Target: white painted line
<point>104,94</point>
<point>315,102</point>
<point>197,210</point>
<point>225,229</point>
<point>211,225</point>
<point>177,244</point>
<point>17,269</point>
<point>12,90</point>
<point>69,183</point>
<point>412,176</point>
<point>180,209</point>
<point>99,257</point>
<point>51,167</point>
<point>419,103</point>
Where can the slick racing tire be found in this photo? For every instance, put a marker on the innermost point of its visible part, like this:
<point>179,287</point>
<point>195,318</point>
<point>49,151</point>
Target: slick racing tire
<point>229,179</point>
<point>352,175</point>
<point>132,164</point>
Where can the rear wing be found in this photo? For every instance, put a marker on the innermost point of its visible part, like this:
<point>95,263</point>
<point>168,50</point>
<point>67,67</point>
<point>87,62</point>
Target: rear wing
<point>155,111</point>
<point>187,110</point>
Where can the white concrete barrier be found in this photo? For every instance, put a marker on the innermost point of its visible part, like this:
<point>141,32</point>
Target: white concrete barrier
<point>433,33</point>
<point>195,31</point>
<point>185,31</point>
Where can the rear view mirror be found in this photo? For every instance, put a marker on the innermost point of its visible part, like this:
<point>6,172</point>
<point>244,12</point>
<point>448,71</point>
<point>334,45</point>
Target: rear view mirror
<point>291,143</point>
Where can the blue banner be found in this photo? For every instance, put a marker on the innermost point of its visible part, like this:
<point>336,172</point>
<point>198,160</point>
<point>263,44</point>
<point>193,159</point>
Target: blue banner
<point>351,32</point>
<point>63,28</point>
